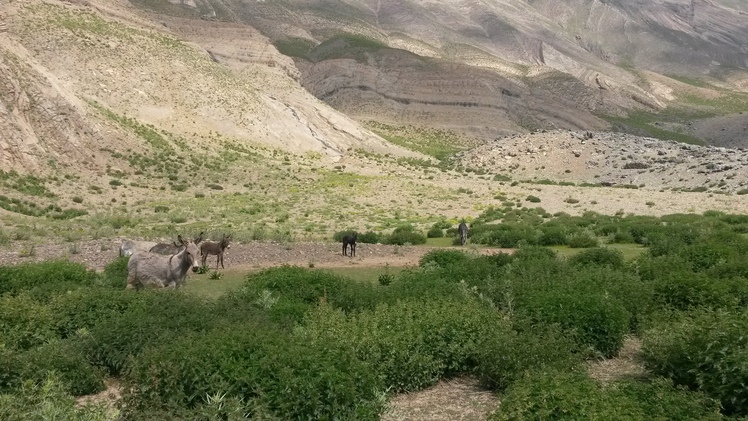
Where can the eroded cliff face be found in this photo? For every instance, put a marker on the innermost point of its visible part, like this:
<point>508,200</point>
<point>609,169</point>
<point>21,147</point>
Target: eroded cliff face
<point>398,86</point>
<point>43,125</point>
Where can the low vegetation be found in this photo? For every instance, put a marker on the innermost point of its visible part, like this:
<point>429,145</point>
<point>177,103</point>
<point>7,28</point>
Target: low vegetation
<point>293,342</point>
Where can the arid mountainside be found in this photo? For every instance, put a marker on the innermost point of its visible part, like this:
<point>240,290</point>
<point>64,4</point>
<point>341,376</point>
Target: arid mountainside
<point>516,65</point>
<point>82,83</point>
<point>164,111</point>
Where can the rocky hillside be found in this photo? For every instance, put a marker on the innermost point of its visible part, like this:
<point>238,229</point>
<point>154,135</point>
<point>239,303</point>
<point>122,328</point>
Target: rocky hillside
<point>84,84</point>
<point>618,160</point>
<point>511,66</point>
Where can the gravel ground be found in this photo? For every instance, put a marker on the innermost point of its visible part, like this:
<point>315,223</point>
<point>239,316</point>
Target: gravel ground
<point>98,253</point>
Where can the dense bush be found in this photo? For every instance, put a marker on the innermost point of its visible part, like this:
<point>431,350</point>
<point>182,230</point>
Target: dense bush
<point>549,395</point>
<point>84,308</point>
<point>24,322</point>
<point>48,400</point>
<point>296,283</point>
<point>115,273</point>
<point>505,355</point>
<point>581,240</point>
<point>411,343</point>
<point>552,235</point>
<point>67,359</point>
<point>405,235</point>
<point>435,232</point>
<point>370,237</point>
<point>44,279</point>
<point>153,317</point>
<point>271,372</point>
<point>600,256</point>
<point>596,321</point>
<point>508,235</point>
<point>443,258</point>
<point>707,351</point>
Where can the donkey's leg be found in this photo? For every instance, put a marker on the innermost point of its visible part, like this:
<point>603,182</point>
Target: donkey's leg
<point>220,257</point>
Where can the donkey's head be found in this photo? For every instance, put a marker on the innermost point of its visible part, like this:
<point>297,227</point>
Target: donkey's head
<point>225,241</point>
<point>191,253</point>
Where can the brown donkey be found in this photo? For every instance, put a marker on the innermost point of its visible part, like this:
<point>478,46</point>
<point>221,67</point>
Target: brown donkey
<point>216,248</point>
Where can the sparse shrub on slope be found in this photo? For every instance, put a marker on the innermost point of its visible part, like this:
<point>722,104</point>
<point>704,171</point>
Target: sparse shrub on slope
<point>705,350</point>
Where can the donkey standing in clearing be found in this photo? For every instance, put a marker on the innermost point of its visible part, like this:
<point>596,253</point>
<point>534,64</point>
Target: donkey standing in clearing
<point>215,248</point>
<point>350,240</point>
<point>172,248</point>
<point>463,231</point>
<point>147,269</point>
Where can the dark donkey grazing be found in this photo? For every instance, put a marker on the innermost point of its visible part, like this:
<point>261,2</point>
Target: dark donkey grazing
<point>350,240</point>
<point>463,231</point>
<point>215,248</point>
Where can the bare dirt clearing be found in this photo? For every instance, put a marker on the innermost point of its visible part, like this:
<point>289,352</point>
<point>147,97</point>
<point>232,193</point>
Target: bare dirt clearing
<point>96,254</point>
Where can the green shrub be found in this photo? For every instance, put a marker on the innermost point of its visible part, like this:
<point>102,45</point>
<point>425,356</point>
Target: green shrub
<point>115,273</point>
<point>153,317</point>
<point>67,359</point>
<point>48,400</point>
<point>548,395</point>
<point>294,283</point>
<point>44,279</point>
<point>505,355</point>
<point>507,235</point>
<point>435,232</point>
<point>370,237</point>
<point>411,343</point>
<point>84,308</point>
<point>600,256</point>
<point>272,373</point>
<point>533,199</point>
<point>552,235</point>
<point>704,350</point>
<point>405,235</point>
<point>24,322</point>
<point>582,241</point>
<point>596,321</point>
<point>684,290</point>
<point>622,237</point>
<point>443,258</point>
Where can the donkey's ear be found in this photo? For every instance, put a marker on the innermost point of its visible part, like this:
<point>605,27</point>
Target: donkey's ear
<point>199,238</point>
<point>181,240</point>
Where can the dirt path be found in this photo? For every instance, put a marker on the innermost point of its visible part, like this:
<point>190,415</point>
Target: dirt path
<point>96,254</point>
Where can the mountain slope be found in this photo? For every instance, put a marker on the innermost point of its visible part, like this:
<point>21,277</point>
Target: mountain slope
<point>605,58</point>
<point>75,73</point>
